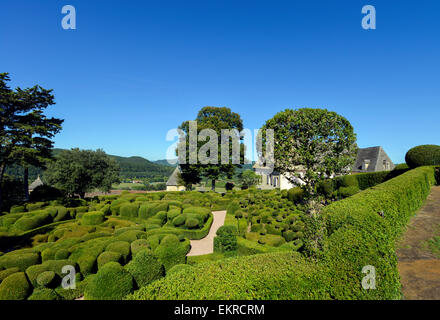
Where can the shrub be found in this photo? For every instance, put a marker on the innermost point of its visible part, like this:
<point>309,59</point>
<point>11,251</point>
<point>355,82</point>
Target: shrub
<point>32,221</point>
<point>35,206</point>
<point>424,155</point>
<point>129,210</point>
<point>226,239</point>
<point>172,214</point>
<point>112,282</point>
<point>289,235</point>
<point>232,207</point>
<point>46,279</point>
<point>45,193</point>
<point>92,218</point>
<point>326,188</point>
<point>17,209</point>
<point>62,214</point>
<point>191,223</point>
<point>171,251</point>
<point>15,287</point>
<point>179,220</point>
<point>145,268</point>
<point>295,194</point>
<point>87,264</point>
<point>62,254</point>
<point>52,265</point>
<point>178,268</point>
<point>145,210</point>
<point>272,276</point>
<point>138,245</point>
<point>44,294</point>
<point>109,256</point>
<point>348,180</point>
<point>229,186</point>
<point>21,261</point>
<point>6,273</point>
<point>121,247</point>
<point>345,192</point>
<point>130,235</point>
<point>359,236</point>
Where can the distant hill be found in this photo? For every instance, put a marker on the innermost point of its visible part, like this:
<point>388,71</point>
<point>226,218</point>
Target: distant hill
<point>131,168</point>
<point>165,163</point>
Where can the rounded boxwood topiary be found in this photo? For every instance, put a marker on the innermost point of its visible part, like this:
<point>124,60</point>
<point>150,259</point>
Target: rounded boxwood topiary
<point>92,218</point>
<point>171,251</point>
<point>295,194</point>
<point>138,245</point>
<point>121,247</point>
<point>179,220</point>
<point>22,261</point>
<point>46,279</point>
<point>15,287</point>
<point>145,268</point>
<point>109,256</point>
<point>62,254</point>
<point>44,294</point>
<point>112,282</point>
<point>191,223</point>
<point>424,155</point>
<point>6,273</point>
<point>178,268</point>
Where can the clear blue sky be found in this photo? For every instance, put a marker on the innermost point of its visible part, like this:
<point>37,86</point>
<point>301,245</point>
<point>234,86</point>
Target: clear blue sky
<point>135,69</point>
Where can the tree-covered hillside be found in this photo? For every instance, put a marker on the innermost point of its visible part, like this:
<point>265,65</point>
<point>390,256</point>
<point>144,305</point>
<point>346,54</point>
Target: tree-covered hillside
<point>131,168</point>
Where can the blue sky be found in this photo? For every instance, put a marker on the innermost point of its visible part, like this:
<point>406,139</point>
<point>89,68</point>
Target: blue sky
<point>132,70</point>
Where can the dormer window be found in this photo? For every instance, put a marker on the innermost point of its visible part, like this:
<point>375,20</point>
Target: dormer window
<point>366,164</point>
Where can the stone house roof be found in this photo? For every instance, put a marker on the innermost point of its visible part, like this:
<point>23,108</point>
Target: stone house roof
<point>172,180</point>
<point>372,159</point>
<point>37,182</point>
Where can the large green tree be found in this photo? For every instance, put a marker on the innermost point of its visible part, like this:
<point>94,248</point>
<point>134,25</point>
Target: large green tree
<point>77,172</point>
<point>217,119</point>
<point>249,178</point>
<point>311,144</point>
<point>36,132</point>
<point>25,132</point>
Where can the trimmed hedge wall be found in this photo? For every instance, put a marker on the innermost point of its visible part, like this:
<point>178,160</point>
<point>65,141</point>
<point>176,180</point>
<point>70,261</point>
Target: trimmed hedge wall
<point>269,276</point>
<point>368,180</point>
<point>363,229</point>
<point>358,235</point>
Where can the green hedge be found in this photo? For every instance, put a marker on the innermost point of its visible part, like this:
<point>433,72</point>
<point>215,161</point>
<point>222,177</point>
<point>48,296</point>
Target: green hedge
<point>15,287</point>
<point>92,218</point>
<point>145,268</point>
<point>371,179</point>
<point>363,230</point>
<point>21,261</point>
<point>171,251</point>
<point>200,233</point>
<point>109,256</point>
<point>257,277</point>
<point>358,235</point>
<point>424,155</point>
<point>112,282</point>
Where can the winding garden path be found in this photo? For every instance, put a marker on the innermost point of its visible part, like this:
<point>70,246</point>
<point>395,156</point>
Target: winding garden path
<point>419,268</point>
<point>206,245</point>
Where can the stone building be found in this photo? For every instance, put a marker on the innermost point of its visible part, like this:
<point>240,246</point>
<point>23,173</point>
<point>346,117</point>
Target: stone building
<point>372,159</point>
<point>172,183</point>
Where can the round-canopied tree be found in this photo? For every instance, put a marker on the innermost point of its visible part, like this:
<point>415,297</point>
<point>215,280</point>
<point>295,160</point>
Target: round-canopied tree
<point>311,144</point>
<point>78,171</point>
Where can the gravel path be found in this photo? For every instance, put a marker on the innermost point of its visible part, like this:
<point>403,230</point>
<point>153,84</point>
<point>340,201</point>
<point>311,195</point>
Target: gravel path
<point>206,245</point>
<point>419,269</point>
